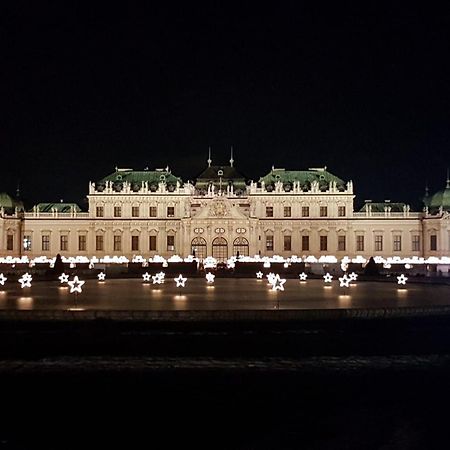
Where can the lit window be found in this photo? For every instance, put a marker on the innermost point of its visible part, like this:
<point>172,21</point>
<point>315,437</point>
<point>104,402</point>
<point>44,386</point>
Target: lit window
<point>171,211</point>
<point>269,243</point>
<point>170,243</point>
<point>27,243</point>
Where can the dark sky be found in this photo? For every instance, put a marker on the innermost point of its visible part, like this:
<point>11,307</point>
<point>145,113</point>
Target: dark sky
<point>365,92</point>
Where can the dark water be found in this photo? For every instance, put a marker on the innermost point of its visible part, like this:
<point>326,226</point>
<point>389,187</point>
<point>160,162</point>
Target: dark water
<point>347,385</point>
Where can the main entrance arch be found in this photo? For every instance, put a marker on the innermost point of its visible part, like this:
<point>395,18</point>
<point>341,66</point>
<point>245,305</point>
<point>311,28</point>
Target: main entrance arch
<point>240,246</point>
<point>220,249</point>
<point>198,247</point>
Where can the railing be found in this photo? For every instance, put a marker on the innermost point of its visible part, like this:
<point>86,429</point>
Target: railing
<point>387,214</point>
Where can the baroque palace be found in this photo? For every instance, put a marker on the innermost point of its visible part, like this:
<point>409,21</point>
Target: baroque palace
<point>221,214</point>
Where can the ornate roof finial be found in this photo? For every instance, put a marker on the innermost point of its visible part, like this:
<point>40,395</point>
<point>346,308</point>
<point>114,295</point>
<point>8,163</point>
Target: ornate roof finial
<point>448,180</point>
<point>18,190</point>
<point>427,190</point>
<point>231,158</point>
<point>209,157</point>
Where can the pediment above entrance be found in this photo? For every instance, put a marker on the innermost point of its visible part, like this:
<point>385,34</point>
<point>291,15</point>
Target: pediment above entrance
<point>219,208</point>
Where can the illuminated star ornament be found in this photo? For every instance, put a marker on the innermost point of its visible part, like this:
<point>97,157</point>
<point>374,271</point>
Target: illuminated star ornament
<point>259,275</point>
<point>303,276</point>
<point>75,285</point>
<point>101,276</point>
<point>353,276</point>
<point>2,279</point>
<point>270,277</point>
<point>63,278</point>
<point>277,283</point>
<point>401,279</point>
<point>180,280</point>
<point>25,281</point>
<point>146,276</point>
<point>158,278</point>
<point>327,278</point>
<point>210,277</point>
<point>344,281</point>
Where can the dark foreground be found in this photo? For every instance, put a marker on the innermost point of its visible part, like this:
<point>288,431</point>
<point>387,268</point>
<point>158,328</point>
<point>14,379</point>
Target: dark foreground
<point>368,384</point>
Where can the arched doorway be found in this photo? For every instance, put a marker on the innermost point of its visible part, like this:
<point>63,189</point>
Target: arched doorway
<point>240,246</point>
<point>220,249</point>
<point>198,247</point>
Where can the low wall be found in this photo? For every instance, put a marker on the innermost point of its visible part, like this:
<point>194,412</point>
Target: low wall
<point>224,315</point>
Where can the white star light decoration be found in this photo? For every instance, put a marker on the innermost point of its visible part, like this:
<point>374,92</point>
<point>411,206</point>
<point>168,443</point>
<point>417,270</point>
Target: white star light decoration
<point>2,279</point>
<point>353,276</point>
<point>277,283</point>
<point>146,276</point>
<point>101,276</point>
<point>158,278</point>
<point>75,285</point>
<point>327,278</point>
<point>344,281</point>
<point>210,277</point>
<point>25,280</point>
<point>303,276</point>
<point>402,279</point>
<point>63,278</point>
<point>270,277</point>
<point>259,275</point>
<point>180,280</point>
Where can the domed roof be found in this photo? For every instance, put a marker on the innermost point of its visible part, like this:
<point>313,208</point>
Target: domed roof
<point>9,203</point>
<point>440,199</point>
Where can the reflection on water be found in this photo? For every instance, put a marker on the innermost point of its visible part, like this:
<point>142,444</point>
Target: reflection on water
<point>25,303</point>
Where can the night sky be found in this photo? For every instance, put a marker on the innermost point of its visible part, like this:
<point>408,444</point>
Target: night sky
<point>365,92</point>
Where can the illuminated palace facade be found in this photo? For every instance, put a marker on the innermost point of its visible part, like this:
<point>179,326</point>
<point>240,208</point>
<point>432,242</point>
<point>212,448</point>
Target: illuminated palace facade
<point>220,214</point>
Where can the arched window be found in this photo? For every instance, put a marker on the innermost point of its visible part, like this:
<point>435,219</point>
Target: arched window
<point>240,247</point>
<point>198,247</point>
<point>220,249</point>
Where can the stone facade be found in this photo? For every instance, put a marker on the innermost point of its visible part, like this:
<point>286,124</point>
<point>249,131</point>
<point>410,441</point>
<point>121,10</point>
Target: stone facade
<point>285,213</point>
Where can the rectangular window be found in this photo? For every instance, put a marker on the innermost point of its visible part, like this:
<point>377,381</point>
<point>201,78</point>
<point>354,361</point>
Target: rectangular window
<point>269,243</point>
<point>152,243</point>
<point>378,243</point>
<point>82,243</point>
<point>359,243</point>
<point>287,211</point>
<point>99,211</point>
<point>269,211</point>
<point>27,243</point>
<point>117,243</point>
<point>415,243</point>
<point>134,243</point>
<point>287,243</point>
<point>170,243</point>
<point>135,211</point>
<point>433,242</point>
<point>397,247</point>
<point>323,243</point>
<point>117,211</point>
<point>171,211</point>
<point>341,243</point>
<point>10,242</point>
<point>341,211</point>
<point>64,242</point>
<point>99,243</point>
<point>152,211</point>
<point>305,211</point>
<point>305,243</point>
<point>45,243</point>
<point>323,211</point>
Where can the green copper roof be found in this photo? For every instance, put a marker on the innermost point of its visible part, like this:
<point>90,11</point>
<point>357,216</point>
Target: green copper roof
<point>305,177</point>
<point>137,177</point>
<point>440,199</point>
<point>59,207</point>
<point>9,203</point>
<point>223,175</point>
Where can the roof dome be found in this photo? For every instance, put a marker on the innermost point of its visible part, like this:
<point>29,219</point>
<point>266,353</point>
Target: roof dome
<point>9,203</point>
<point>439,199</point>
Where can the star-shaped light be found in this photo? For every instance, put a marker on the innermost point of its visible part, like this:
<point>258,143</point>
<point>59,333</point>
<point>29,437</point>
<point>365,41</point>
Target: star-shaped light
<point>146,276</point>
<point>158,278</point>
<point>259,275</point>
<point>327,278</point>
<point>64,278</point>
<point>101,276</point>
<point>2,279</point>
<point>344,281</point>
<point>180,280</point>
<point>353,276</point>
<point>25,281</point>
<point>210,277</point>
<point>303,276</point>
<point>402,279</point>
<point>75,284</point>
<point>277,283</point>
<point>270,277</point>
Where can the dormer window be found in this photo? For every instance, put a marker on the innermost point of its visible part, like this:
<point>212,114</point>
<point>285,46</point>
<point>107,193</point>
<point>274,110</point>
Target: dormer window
<point>220,173</point>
